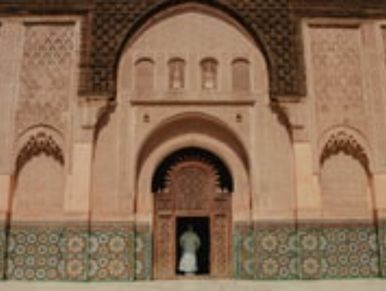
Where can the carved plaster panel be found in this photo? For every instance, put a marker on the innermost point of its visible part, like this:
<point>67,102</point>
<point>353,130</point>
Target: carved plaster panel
<point>337,73</point>
<point>46,75</point>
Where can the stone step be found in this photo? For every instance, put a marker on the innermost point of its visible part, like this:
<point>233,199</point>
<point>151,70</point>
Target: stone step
<point>200,285</point>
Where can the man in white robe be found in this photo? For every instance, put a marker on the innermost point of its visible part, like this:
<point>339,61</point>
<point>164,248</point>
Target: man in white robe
<point>190,243</point>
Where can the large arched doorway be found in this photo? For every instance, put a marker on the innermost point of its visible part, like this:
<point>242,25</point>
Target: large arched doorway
<point>192,188</point>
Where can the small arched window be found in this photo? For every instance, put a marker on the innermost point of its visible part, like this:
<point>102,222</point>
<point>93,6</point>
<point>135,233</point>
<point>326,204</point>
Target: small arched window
<point>241,75</point>
<point>144,76</point>
<point>209,74</point>
<point>176,74</point>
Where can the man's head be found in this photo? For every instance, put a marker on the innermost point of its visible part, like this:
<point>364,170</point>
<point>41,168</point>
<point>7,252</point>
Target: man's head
<point>190,227</point>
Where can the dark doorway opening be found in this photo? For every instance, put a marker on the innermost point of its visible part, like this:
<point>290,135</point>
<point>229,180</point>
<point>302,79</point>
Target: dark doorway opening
<point>201,228</point>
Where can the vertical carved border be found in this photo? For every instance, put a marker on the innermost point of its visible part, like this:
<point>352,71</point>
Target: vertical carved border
<point>111,252</point>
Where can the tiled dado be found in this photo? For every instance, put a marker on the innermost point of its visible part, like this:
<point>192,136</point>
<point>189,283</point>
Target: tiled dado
<point>338,251</point>
<point>275,252</point>
<point>119,252</point>
<point>243,251</point>
<point>382,243</point>
<point>36,252</point>
<point>265,252</point>
<point>111,253</point>
<point>143,252</point>
<point>74,252</point>
<point>349,252</point>
<point>309,246</point>
<point>122,252</point>
<point>107,252</point>
<point>309,251</point>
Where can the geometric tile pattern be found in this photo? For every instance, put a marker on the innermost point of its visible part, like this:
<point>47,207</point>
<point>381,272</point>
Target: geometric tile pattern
<point>117,252</point>
<point>309,252</point>
<point>275,252</point>
<point>143,253</point>
<point>349,252</point>
<point>35,253</point>
<point>74,247</point>
<point>111,253</point>
<point>70,252</point>
<point>382,248</point>
<point>265,252</point>
<point>243,252</point>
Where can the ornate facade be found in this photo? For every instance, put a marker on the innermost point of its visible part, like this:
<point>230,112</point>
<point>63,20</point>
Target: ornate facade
<point>261,121</point>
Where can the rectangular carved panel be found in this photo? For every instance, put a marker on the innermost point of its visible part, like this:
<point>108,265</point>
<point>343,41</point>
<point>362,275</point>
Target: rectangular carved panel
<point>46,74</point>
<point>337,76</point>
<point>10,42</point>
<point>220,246</point>
<point>165,247</point>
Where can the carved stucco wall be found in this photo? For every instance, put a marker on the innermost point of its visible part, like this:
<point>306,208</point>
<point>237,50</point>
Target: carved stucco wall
<point>273,251</point>
<point>107,25</point>
<point>9,70</point>
<point>41,55</point>
<point>46,75</point>
<point>342,108</point>
<point>345,82</point>
<point>274,24</point>
<point>337,74</point>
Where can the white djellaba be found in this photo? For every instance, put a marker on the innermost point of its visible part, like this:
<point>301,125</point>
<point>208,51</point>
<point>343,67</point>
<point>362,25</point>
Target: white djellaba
<point>190,243</point>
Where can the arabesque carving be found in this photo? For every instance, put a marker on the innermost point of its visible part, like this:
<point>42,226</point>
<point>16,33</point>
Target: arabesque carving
<point>341,141</point>
<point>337,73</point>
<point>46,75</point>
<point>37,144</point>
